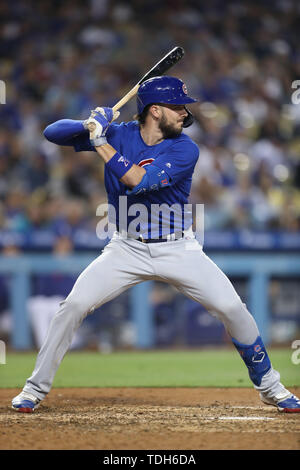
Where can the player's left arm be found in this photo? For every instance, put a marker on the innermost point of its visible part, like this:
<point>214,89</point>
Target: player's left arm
<point>166,170</point>
<point>127,172</point>
<point>176,165</point>
<point>65,131</point>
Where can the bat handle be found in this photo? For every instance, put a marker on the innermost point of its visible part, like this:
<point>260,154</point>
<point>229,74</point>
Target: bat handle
<point>118,105</point>
<point>126,98</point>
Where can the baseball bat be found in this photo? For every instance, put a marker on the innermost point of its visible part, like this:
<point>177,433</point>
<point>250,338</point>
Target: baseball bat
<point>170,59</point>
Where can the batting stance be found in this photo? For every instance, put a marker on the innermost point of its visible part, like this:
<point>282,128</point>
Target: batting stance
<point>149,161</point>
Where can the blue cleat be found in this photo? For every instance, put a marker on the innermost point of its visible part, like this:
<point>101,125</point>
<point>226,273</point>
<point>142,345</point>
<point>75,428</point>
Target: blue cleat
<point>25,402</point>
<point>285,402</point>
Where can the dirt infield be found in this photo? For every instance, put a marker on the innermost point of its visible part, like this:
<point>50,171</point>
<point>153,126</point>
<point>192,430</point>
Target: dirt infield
<point>148,418</point>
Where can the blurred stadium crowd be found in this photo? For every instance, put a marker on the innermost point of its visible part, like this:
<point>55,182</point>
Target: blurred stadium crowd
<point>59,59</point>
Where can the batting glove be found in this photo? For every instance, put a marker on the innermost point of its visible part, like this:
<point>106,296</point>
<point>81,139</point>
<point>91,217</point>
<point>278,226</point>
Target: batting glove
<point>98,123</point>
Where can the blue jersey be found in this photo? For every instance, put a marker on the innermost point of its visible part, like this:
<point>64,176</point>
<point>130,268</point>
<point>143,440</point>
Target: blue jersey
<point>176,156</point>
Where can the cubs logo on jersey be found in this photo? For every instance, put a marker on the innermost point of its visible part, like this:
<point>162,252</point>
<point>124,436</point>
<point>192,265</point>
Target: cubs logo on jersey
<point>145,162</point>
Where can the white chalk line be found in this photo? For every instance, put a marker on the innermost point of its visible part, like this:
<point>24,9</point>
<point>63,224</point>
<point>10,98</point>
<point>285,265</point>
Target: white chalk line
<point>257,408</point>
<point>239,418</point>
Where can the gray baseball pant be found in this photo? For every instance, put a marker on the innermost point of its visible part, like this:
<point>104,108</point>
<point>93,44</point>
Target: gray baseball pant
<point>125,263</point>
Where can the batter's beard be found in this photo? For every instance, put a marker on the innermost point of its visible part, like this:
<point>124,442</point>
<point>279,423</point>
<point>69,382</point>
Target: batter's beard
<point>168,130</point>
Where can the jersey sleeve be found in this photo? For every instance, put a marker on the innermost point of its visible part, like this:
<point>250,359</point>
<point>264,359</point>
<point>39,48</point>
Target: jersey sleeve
<point>68,132</point>
<point>179,160</point>
<point>82,143</point>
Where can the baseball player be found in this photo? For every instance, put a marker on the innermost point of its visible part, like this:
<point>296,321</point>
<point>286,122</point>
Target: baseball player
<point>149,162</point>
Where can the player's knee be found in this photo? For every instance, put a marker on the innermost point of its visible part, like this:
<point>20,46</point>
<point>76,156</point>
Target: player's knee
<point>75,307</point>
<point>232,308</point>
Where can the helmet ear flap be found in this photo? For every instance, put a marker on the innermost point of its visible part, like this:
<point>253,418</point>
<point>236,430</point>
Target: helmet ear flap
<point>188,121</point>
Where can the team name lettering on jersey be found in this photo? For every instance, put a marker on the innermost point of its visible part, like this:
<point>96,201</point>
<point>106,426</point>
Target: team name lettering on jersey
<point>146,161</point>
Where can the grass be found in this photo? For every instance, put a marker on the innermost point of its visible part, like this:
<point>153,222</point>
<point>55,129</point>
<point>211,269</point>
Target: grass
<point>192,368</point>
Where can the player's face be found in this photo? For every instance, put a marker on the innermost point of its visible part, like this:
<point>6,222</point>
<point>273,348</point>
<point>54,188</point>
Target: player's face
<point>171,120</point>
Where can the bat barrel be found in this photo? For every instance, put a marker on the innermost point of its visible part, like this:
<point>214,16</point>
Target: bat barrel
<point>160,68</point>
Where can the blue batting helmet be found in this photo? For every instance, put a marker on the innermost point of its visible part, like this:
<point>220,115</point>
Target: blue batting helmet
<point>164,90</point>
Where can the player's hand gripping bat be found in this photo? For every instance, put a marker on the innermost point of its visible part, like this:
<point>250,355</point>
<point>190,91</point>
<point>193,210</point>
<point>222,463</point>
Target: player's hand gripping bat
<point>161,67</point>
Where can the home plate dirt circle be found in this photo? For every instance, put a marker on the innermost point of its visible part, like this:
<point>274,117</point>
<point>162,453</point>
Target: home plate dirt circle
<point>148,418</point>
